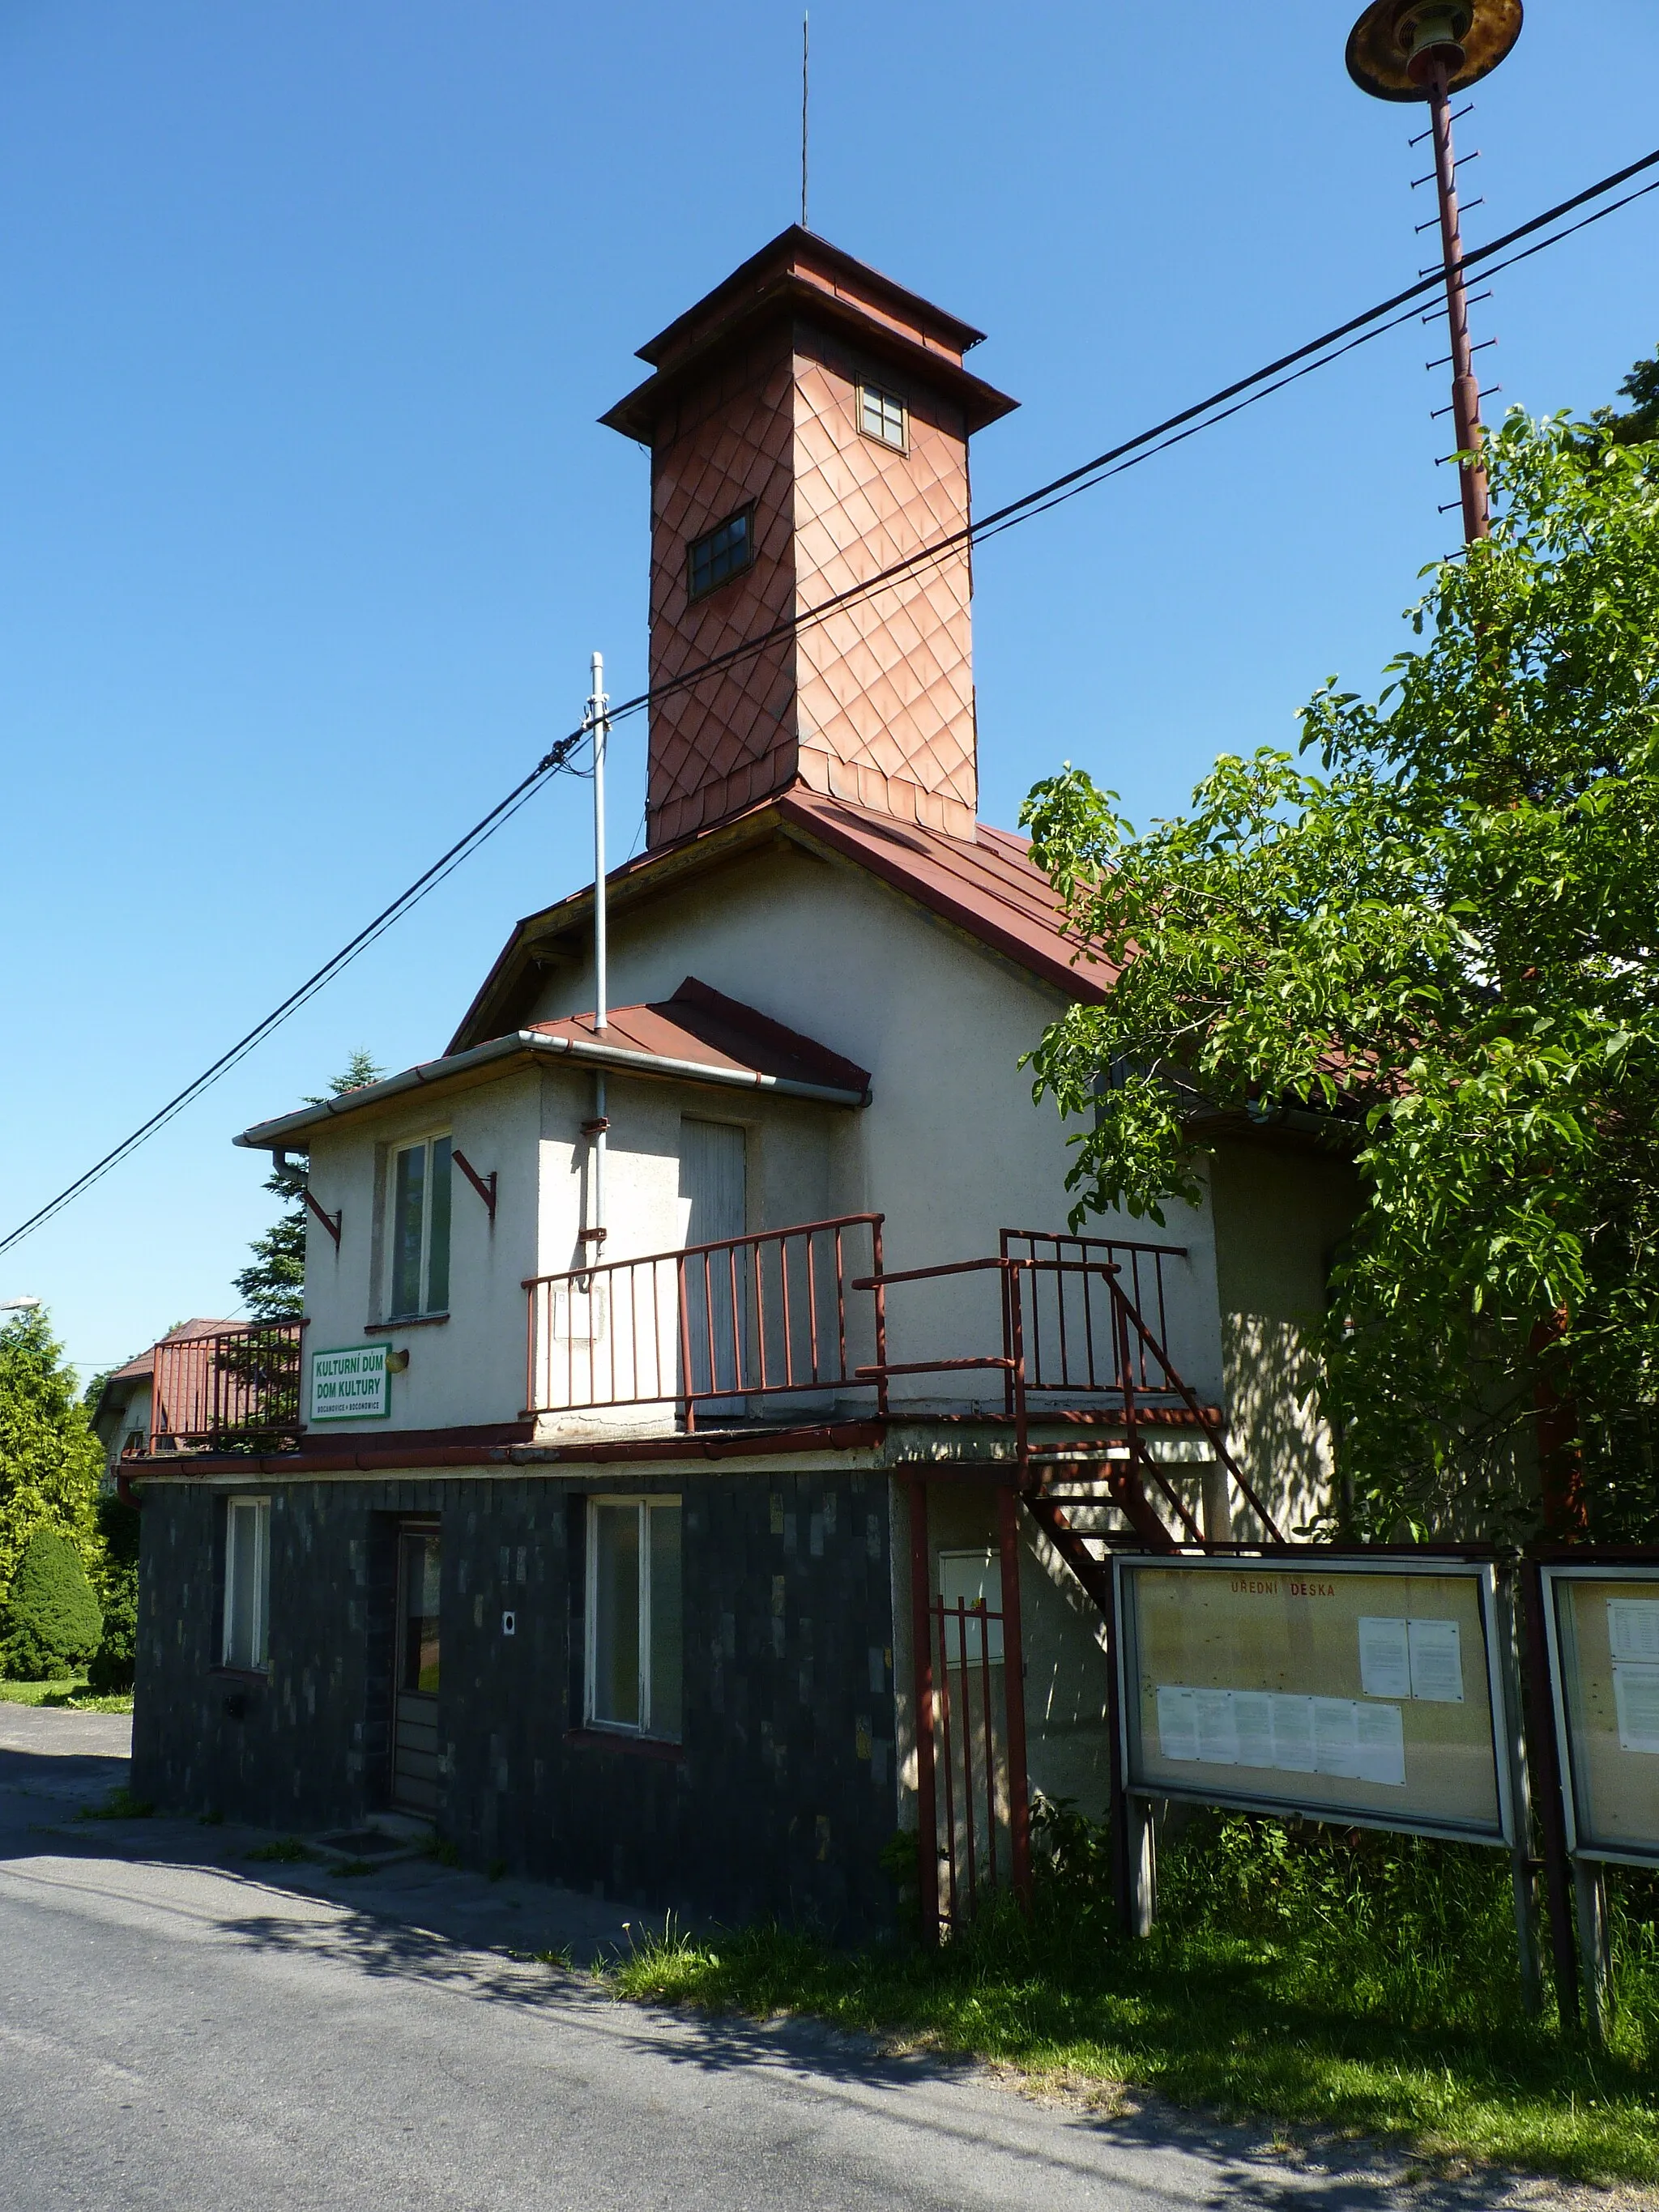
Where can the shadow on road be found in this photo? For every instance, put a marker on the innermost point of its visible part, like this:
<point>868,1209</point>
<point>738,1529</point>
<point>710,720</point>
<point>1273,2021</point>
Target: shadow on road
<point>420,1924</point>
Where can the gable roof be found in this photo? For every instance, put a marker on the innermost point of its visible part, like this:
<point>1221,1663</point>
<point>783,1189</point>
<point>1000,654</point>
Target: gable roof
<point>986,886</point>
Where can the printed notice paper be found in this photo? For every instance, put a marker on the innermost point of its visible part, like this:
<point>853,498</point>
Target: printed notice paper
<point>1436,1662</point>
<point>1412,1659</point>
<point>1290,1734</point>
<point>1385,1667</point>
<point>1636,1697</point>
<point>1633,1627</point>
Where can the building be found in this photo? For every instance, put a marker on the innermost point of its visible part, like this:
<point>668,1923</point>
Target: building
<point>689,1404</point>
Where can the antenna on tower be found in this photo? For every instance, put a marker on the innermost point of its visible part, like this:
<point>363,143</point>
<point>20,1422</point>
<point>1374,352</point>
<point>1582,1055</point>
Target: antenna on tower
<point>805,56</point>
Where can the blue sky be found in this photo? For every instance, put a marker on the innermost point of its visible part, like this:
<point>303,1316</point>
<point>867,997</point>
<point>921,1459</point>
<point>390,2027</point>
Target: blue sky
<point>306,527</point>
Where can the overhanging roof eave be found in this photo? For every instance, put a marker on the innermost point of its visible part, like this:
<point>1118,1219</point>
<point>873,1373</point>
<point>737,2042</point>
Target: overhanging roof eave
<point>532,1047</point>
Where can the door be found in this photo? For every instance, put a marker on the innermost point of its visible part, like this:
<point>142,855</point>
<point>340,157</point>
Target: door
<point>714,1208</point>
<point>415,1786</point>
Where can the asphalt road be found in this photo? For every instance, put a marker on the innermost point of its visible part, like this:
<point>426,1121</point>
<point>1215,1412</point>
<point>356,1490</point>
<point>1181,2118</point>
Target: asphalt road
<point>178,2031</point>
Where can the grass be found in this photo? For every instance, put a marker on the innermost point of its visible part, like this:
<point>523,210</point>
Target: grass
<point>284,1851</point>
<point>120,1805</point>
<point>70,1693</point>
<point>1354,1986</point>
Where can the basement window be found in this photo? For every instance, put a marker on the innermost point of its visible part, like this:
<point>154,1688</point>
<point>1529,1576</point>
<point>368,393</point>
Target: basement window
<point>419,1220</point>
<point>721,554</point>
<point>634,1616</point>
<point>247,1583</point>
<point>883,418</point>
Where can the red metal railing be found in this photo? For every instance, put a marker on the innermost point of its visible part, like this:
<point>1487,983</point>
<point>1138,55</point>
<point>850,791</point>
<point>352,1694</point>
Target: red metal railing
<point>1070,1340</point>
<point>749,1317</point>
<point>238,1389</point>
<point>1071,1330</point>
<point>966,1746</point>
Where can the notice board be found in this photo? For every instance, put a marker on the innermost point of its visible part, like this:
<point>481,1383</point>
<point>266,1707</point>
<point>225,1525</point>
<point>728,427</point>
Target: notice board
<point>1602,1628</point>
<point>1347,1689</point>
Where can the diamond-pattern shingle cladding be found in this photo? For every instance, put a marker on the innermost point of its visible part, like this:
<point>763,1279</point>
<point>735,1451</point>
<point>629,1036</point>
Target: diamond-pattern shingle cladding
<point>755,405</point>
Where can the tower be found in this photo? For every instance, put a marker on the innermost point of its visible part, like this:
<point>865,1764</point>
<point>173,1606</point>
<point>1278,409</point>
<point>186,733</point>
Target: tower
<point>808,422</point>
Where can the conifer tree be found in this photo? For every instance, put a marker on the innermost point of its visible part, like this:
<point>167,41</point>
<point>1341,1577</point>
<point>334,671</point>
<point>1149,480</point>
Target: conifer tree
<point>273,1286</point>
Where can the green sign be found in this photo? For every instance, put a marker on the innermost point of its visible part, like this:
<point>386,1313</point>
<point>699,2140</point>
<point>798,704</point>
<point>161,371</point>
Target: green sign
<point>350,1384</point>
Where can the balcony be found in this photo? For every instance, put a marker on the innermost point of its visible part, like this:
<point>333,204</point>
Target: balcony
<point>237,1391</point>
<point>1070,1334</point>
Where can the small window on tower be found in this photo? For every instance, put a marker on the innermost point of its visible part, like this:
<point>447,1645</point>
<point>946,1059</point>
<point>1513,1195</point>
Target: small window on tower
<point>721,554</point>
<point>883,417</point>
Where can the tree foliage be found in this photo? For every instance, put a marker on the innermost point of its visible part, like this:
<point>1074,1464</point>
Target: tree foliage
<point>50,1623</point>
<point>273,1286</point>
<point>1438,925</point>
<point>1638,423</point>
<point>50,1461</point>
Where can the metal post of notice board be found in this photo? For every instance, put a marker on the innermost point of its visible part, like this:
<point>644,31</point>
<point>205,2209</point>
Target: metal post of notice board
<point>1523,1867</point>
<point>1545,1766</point>
<point>1589,1893</point>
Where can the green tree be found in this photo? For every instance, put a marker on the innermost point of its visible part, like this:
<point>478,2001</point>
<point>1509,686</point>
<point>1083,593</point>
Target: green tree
<point>1638,423</point>
<point>113,1662</point>
<point>50,1462</point>
<point>1446,936</point>
<point>50,1623</point>
<point>273,1287</point>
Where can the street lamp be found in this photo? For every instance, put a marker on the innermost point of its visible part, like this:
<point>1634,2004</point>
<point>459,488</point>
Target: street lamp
<point>1428,49</point>
<point>18,1305</point>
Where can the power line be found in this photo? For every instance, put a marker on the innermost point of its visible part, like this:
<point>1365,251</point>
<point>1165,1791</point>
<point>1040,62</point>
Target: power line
<point>1204,414</point>
<point>550,764</point>
<point>1043,497</point>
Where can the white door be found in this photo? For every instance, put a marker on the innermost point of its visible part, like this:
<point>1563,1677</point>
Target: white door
<point>714,1208</point>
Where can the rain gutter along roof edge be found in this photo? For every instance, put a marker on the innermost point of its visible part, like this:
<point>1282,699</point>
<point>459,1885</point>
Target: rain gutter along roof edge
<point>532,1043</point>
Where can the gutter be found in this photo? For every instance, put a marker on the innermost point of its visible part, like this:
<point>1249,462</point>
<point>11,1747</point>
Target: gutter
<point>264,1136</point>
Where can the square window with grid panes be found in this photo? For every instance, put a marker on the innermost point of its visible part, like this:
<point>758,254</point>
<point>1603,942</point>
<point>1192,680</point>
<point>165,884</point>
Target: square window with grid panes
<point>883,417</point>
<point>634,1616</point>
<point>418,1211</point>
<point>720,554</point>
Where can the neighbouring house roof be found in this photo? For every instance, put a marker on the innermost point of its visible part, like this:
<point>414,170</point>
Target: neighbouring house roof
<point>697,1036</point>
<point>986,886</point>
<point>142,1369</point>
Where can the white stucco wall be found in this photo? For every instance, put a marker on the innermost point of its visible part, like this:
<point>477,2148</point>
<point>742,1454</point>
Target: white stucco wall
<point>469,1370</point>
<point>952,1149</point>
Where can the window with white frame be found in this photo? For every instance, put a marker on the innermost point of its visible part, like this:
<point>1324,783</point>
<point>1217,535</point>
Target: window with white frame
<point>883,417</point>
<point>634,1616</point>
<point>418,1216</point>
<point>247,1583</point>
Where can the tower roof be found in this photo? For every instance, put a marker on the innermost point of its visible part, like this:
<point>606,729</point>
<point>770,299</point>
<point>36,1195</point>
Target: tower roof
<point>799,273</point>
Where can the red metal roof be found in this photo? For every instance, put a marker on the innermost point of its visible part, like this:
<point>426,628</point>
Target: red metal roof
<point>987,886</point>
<point>700,1024</point>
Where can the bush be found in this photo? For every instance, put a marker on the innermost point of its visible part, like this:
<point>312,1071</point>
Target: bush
<point>50,1623</point>
<point>113,1662</point>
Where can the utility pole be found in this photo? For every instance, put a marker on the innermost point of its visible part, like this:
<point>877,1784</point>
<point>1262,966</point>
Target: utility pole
<point>1410,50</point>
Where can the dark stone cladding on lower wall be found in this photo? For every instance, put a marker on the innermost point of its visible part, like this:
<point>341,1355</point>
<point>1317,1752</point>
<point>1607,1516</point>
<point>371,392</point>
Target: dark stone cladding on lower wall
<point>784,1789</point>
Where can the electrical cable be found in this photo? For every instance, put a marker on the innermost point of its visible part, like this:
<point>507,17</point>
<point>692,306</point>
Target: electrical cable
<point>1316,353</point>
<point>550,764</point>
